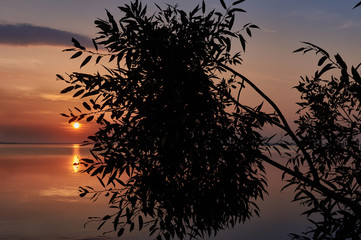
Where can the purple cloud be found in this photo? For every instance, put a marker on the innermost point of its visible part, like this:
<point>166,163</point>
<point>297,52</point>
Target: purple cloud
<point>26,34</point>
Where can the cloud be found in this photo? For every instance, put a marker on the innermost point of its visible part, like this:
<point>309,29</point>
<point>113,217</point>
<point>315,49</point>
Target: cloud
<point>314,14</point>
<point>26,34</point>
<point>349,24</point>
<point>56,97</point>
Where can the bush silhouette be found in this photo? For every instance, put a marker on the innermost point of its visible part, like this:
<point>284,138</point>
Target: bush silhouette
<point>177,153</point>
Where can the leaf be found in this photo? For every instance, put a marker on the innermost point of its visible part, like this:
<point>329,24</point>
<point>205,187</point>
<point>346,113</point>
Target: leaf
<point>228,44</point>
<point>86,60</point>
<point>325,69</point>
<point>60,77</point>
<point>203,7</point>
<point>86,105</point>
<point>72,119</point>
<point>90,118</point>
<point>253,26</point>
<point>101,225</point>
<point>238,2</point>
<point>249,32</point>
<point>113,197</point>
<point>243,42</point>
<point>100,118</point>
<point>111,58</point>
<point>77,44</point>
<point>120,182</point>
<point>258,108</point>
<point>322,60</point>
<point>356,75</point>
<point>231,22</point>
<point>140,219</point>
<point>77,54</point>
<point>87,160</point>
<point>223,4</point>
<point>95,44</point>
<point>120,232</point>
<point>318,49</point>
<point>81,117</point>
<point>128,215</point>
<point>78,93</point>
<point>64,115</point>
<point>116,221</point>
<point>77,110</point>
<point>98,59</point>
<point>184,18</point>
<point>357,5</point>
<point>340,61</point>
<point>68,89</point>
<point>113,22</point>
<point>236,10</point>
<point>69,50</point>
<point>195,10</point>
<point>112,177</point>
<point>101,181</point>
<point>299,50</point>
<point>284,146</point>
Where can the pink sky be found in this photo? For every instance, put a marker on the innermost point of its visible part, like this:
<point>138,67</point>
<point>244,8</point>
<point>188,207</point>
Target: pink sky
<point>30,103</point>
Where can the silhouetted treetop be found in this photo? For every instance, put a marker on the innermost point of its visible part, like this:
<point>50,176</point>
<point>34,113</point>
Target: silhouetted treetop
<point>175,149</point>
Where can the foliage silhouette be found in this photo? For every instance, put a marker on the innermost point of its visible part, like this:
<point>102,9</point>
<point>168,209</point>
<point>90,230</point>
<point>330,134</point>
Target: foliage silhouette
<point>176,159</point>
<point>329,127</point>
<point>177,153</point>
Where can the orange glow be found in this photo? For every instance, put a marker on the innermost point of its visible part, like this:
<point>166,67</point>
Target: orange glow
<point>76,158</point>
<point>76,164</point>
<point>76,125</point>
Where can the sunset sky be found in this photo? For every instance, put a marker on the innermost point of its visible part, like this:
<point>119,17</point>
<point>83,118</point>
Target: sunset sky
<point>33,34</point>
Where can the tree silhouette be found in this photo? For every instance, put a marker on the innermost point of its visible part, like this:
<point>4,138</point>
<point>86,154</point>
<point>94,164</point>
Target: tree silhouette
<point>329,127</point>
<point>177,160</point>
<point>177,153</point>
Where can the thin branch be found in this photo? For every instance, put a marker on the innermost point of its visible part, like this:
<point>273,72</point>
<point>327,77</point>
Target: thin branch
<point>326,191</point>
<point>285,126</point>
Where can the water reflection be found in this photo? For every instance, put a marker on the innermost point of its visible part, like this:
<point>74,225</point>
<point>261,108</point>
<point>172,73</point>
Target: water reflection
<point>39,197</point>
<point>76,163</point>
<point>76,158</point>
<point>60,194</point>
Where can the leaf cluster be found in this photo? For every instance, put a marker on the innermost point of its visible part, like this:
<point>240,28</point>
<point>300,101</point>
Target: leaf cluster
<point>169,153</point>
<point>329,127</point>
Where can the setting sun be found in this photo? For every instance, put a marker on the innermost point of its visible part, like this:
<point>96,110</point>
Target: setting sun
<point>76,125</point>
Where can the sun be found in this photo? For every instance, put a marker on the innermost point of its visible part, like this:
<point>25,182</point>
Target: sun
<point>76,125</point>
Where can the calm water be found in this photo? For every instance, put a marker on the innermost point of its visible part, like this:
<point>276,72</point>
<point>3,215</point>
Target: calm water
<point>39,199</point>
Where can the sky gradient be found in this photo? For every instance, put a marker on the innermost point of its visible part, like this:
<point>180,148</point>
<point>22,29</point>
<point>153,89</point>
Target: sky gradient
<point>33,34</point>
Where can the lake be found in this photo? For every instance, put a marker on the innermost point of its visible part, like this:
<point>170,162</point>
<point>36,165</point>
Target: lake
<point>39,199</point>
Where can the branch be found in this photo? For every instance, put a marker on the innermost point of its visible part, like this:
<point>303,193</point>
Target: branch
<point>326,191</point>
<point>315,183</point>
<point>285,126</point>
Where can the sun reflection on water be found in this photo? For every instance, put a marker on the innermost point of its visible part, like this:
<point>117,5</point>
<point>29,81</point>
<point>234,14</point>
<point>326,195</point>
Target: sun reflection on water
<point>76,164</point>
<point>76,158</point>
